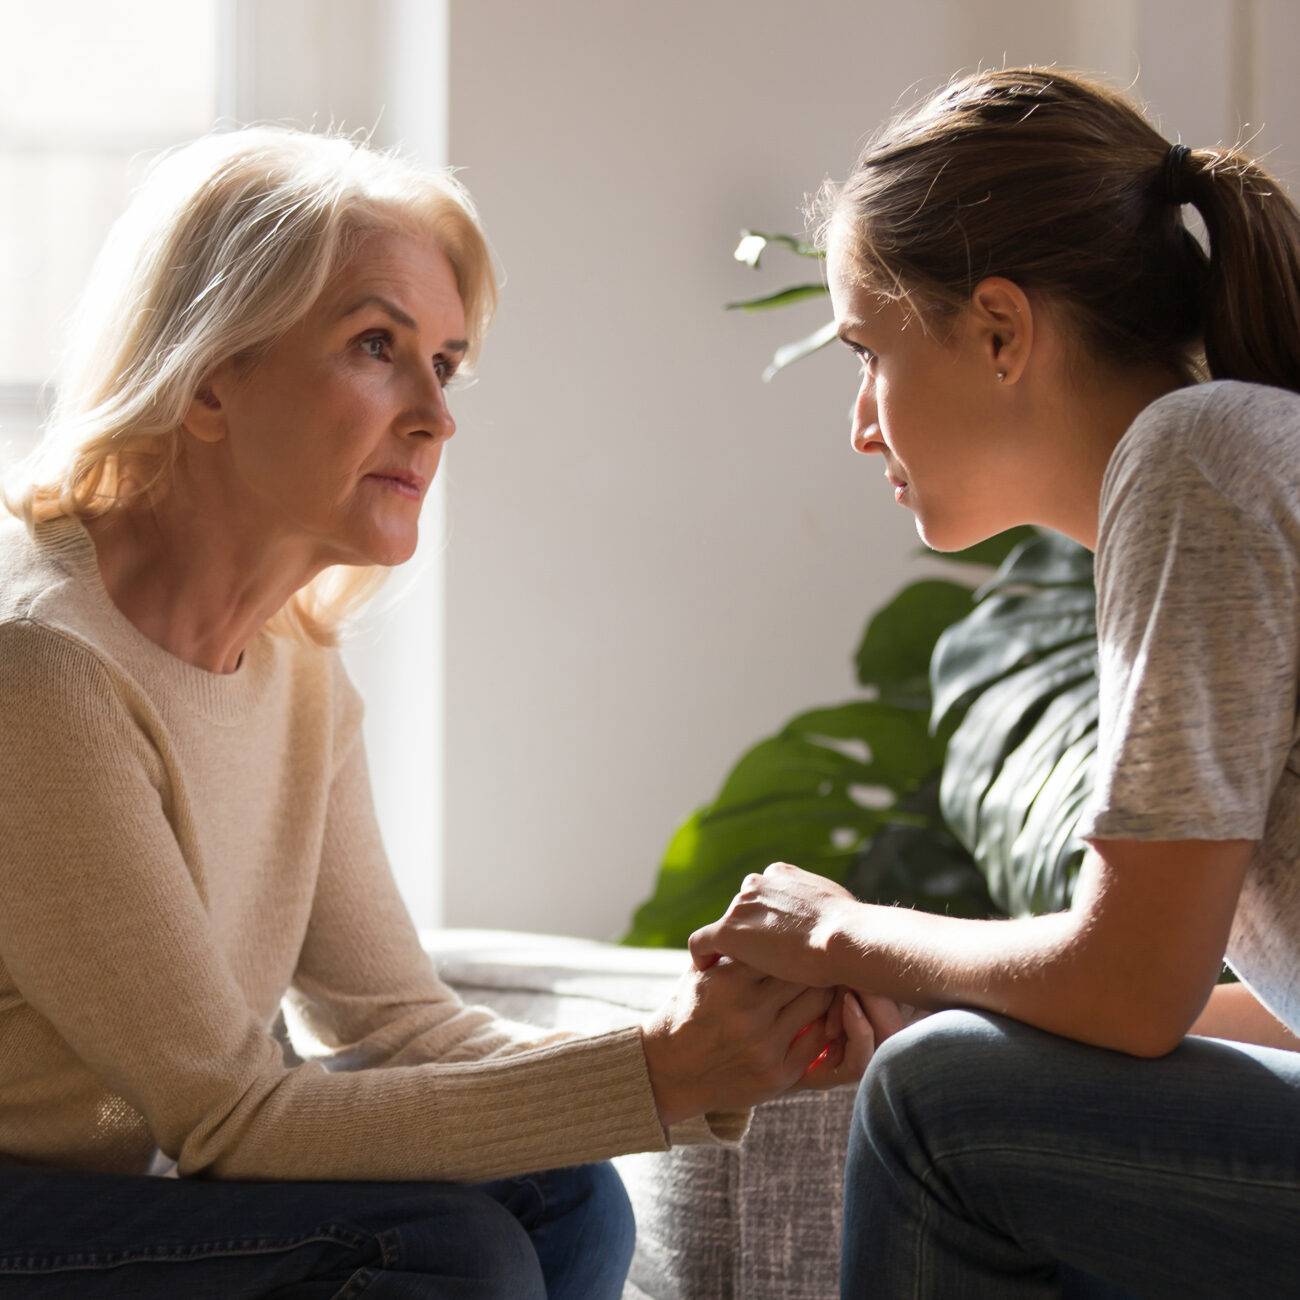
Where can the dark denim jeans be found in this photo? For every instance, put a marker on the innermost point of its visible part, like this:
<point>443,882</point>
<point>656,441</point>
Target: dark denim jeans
<point>567,1233</point>
<point>991,1160</point>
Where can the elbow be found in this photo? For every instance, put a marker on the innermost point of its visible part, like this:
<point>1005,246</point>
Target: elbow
<point>1149,1032</point>
<point>1147,1028</point>
<point>1145,1042</point>
<point>1152,1046</point>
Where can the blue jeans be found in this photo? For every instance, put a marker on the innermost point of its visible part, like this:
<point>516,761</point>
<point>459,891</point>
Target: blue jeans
<point>568,1233</point>
<point>988,1159</point>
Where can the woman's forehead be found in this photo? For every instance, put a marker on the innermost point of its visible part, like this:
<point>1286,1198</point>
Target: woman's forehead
<point>411,271</point>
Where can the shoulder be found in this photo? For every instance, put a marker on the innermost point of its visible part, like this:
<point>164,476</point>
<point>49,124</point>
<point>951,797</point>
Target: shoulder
<point>56,688</point>
<point>31,649</point>
<point>25,571</point>
<point>45,577</point>
<point>1237,441</point>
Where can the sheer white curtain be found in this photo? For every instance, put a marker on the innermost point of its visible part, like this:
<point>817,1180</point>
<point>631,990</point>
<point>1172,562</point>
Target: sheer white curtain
<point>87,91</point>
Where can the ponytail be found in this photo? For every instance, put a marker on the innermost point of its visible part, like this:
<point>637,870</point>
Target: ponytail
<point>1059,183</point>
<point>1251,313</point>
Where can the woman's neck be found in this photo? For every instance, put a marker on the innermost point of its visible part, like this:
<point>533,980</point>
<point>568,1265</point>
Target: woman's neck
<point>1089,424</point>
<point>192,583</point>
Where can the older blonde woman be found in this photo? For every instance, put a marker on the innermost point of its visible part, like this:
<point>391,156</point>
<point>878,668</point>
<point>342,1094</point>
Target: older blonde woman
<point>251,414</point>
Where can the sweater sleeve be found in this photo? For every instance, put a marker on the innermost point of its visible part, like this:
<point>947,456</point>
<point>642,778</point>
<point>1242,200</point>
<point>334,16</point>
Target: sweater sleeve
<point>105,934</point>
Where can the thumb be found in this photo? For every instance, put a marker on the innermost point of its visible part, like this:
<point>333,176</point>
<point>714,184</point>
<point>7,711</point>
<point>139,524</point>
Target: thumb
<point>860,1037</point>
<point>885,1015</point>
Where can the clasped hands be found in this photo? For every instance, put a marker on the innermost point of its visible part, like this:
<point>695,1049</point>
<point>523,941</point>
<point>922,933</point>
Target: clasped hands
<point>762,1012</point>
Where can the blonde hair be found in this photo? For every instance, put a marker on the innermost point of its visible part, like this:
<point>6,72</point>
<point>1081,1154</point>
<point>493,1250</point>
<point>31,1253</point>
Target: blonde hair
<point>226,245</point>
<point>1059,183</point>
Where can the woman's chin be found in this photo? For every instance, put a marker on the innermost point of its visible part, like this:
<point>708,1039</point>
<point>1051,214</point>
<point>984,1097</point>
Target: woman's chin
<point>397,553</point>
<point>948,536</point>
<point>386,547</point>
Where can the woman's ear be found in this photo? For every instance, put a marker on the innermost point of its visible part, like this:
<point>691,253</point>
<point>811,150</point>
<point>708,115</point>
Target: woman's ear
<point>206,417</point>
<point>1003,321</point>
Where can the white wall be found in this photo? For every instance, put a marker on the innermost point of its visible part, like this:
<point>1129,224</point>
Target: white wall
<point>655,558</point>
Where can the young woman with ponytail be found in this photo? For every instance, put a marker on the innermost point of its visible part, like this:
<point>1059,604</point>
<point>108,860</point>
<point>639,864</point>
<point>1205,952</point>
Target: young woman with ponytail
<point>1043,341</point>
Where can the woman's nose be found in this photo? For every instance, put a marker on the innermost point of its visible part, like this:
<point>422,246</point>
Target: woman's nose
<point>862,421</point>
<point>861,437</point>
<point>431,416</point>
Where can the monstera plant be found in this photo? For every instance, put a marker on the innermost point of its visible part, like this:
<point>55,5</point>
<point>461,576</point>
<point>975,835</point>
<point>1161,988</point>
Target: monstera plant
<point>1020,671</point>
<point>955,782</point>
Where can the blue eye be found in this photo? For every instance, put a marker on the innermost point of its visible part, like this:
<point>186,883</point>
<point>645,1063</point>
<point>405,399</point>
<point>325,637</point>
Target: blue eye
<point>377,344</point>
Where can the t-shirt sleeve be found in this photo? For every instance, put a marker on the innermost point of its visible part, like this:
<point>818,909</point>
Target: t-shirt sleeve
<point>1197,617</point>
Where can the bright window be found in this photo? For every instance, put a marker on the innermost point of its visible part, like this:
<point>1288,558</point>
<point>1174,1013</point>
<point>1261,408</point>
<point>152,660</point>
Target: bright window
<point>89,91</point>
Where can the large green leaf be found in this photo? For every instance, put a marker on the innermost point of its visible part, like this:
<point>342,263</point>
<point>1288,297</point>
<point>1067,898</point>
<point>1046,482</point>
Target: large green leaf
<point>1019,678</point>
<point>1047,854</point>
<point>849,791</point>
<point>994,725</point>
<point>1041,560</point>
<point>894,654</point>
<point>920,865</point>
<point>812,794</point>
<point>1067,717</point>
<point>1003,633</point>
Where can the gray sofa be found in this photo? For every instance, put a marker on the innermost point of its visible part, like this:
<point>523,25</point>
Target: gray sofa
<point>761,1222</point>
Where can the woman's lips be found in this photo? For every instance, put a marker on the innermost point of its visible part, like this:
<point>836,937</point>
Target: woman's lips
<point>900,491</point>
<point>400,486</point>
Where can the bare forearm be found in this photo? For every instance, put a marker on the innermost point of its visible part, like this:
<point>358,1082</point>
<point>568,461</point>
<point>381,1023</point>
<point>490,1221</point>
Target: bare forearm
<point>1128,967</point>
<point>1040,970</point>
<point>1233,1012</point>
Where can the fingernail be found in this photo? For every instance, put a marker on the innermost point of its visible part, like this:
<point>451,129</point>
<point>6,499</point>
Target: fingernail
<point>851,1001</point>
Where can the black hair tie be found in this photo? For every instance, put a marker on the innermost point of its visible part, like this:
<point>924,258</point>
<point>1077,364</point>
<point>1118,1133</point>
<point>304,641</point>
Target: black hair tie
<point>1174,176</point>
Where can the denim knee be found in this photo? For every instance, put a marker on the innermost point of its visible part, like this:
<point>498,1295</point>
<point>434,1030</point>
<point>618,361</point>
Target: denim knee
<point>582,1225</point>
<point>615,1209</point>
<point>607,1211</point>
<point>487,1250</point>
<point>908,1085</point>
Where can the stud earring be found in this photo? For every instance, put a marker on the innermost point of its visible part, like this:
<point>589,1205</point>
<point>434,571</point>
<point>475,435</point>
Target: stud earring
<point>1002,374</point>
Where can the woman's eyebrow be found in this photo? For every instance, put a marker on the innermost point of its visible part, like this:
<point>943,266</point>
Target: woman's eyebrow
<point>393,310</point>
<point>853,323</point>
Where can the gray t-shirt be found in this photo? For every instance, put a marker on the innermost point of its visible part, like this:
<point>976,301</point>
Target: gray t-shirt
<point>1198,627</point>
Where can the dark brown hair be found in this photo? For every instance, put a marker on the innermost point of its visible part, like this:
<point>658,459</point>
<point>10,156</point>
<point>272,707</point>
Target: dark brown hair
<point>1060,184</point>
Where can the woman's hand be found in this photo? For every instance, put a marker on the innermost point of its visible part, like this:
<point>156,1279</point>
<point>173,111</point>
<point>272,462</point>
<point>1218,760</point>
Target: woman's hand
<point>781,922</point>
<point>731,1037</point>
<point>856,1025</point>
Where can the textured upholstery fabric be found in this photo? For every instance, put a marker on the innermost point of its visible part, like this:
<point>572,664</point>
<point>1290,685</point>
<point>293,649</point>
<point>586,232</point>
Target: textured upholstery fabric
<point>713,1223</point>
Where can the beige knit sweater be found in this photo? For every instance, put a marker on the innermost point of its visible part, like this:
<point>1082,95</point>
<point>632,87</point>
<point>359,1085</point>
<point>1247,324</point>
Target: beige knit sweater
<point>178,851</point>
